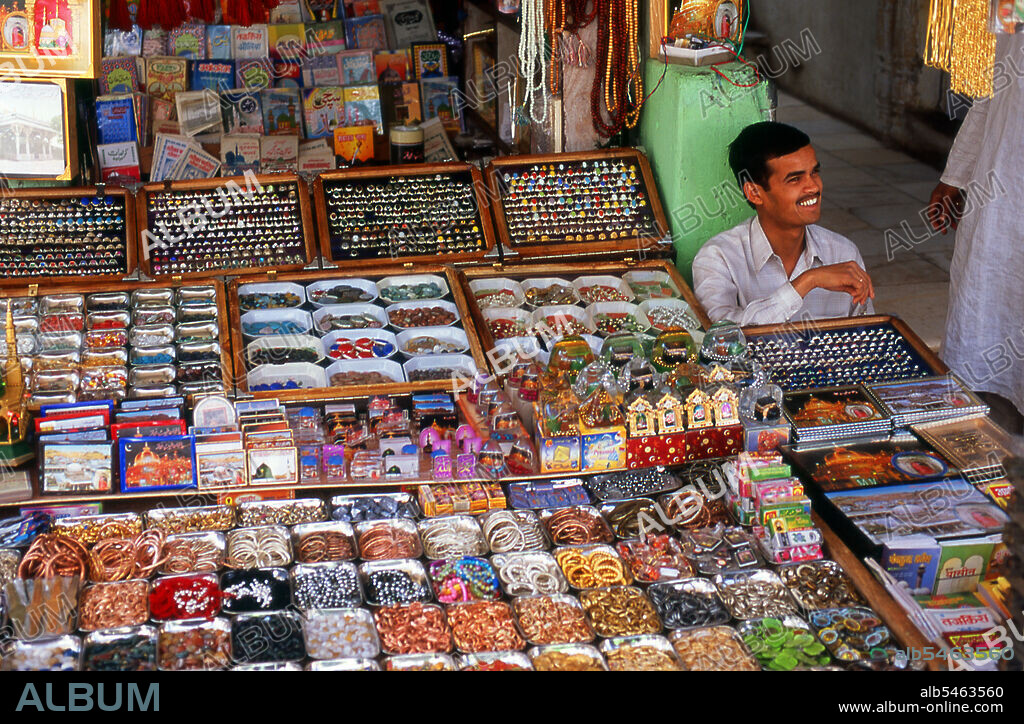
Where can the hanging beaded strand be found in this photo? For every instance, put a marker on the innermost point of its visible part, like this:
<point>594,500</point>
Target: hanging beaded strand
<point>556,20</point>
<point>533,62</point>
<point>617,78</point>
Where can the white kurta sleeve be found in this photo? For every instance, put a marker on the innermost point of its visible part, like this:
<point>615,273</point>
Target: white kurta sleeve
<point>964,155</point>
<point>716,290</point>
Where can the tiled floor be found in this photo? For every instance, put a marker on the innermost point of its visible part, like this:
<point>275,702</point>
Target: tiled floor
<point>868,190</point>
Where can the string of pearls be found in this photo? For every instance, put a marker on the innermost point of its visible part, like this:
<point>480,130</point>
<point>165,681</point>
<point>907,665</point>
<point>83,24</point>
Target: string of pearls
<point>533,60</point>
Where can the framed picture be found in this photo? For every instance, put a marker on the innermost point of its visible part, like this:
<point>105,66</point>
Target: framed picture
<point>37,130</point>
<point>868,464</point>
<point>76,467</point>
<point>430,60</point>
<point>976,444</point>
<point>221,466</point>
<point>408,22</point>
<point>273,466</point>
<point>50,38</point>
<point>147,429</point>
<point>157,463</point>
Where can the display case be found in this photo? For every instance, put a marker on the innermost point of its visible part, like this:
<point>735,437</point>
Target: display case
<point>425,213</point>
<point>349,333</point>
<point>104,340</point>
<point>571,205</point>
<point>225,226</point>
<point>51,233</point>
<point>533,290</point>
<point>859,350</point>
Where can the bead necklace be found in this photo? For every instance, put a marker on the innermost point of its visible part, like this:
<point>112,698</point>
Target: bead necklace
<point>618,67</point>
<point>532,60</point>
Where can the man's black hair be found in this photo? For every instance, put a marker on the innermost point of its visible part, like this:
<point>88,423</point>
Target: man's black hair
<point>757,144</point>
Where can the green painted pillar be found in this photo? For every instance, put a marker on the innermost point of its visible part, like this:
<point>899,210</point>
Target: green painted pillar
<point>686,128</point>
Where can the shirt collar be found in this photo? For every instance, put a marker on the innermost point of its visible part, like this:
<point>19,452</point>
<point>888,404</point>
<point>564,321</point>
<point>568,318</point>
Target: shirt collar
<point>761,250</point>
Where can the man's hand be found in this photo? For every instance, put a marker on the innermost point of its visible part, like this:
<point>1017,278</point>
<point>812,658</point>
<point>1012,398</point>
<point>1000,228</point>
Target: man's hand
<point>845,277</point>
<point>945,207</point>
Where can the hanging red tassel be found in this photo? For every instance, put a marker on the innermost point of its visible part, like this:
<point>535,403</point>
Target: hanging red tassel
<point>201,10</point>
<point>145,18</point>
<point>236,12</point>
<point>171,13</point>
<point>120,18</point>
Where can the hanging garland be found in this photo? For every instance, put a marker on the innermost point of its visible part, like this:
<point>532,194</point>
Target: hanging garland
<point>618,80</point>
<point>960,43</point>
<point>533,61</point>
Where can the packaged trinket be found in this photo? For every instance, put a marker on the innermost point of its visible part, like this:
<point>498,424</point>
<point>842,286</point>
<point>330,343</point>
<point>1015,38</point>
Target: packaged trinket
<point>261,547</point>
<point>640,653</point>
<point>754,594</point>
<point>620,611</point>
<point>655,558</point>
<point>130,649</point>
<point>332,584</point>
<point>552,619</point>
<point>717,648</point>
<point>509,531</point>
<point>688,603</point>
<point>495,661</point>
<point>388,583</point>
<point>194,553</point>
<point>194,646</point>
<point>469,578</point>
<point>452,536</point>
<point>527,573</point>
<point>783,643</point>
<point>341,634</point>
<point>567,657</point>
<point>251,641</point>
<point>419,662</point>
<point>415,628</point>
<point>592,566</point>
<point>264,589</point>
<point>113,605</point>
<point>484,626</point>
<point>55,654</point>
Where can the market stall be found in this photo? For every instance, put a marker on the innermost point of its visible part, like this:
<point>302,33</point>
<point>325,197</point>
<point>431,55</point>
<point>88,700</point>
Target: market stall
<point>543,459</point>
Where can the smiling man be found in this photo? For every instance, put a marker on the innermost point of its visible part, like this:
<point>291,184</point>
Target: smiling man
<point>778,266</point>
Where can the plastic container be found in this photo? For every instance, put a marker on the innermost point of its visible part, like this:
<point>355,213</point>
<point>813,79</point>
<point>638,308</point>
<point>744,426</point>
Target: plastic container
<point>265,322</point>
<point>348,316</point>
<point>497,293</point>
<point>389,294</point>
<point>318,293</point>
<point>453,339</point>
<point>292,376</point>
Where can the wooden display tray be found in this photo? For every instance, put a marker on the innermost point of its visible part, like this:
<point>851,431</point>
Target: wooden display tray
<point>892,614</point>
<point>555,250</point>
<point>383,172</point>
<point>130,228</point>
<point>86,288</point>
<point>569,271</point>
<point>322,394</point>
<point>916,343</point>
<point>278,179</point>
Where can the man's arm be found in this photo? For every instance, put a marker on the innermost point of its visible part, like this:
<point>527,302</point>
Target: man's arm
<point>717,292</point>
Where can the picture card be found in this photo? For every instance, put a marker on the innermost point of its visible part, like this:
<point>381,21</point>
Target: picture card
<point>157,463</point>
<point>76,467</point>
<point>273,466</point>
